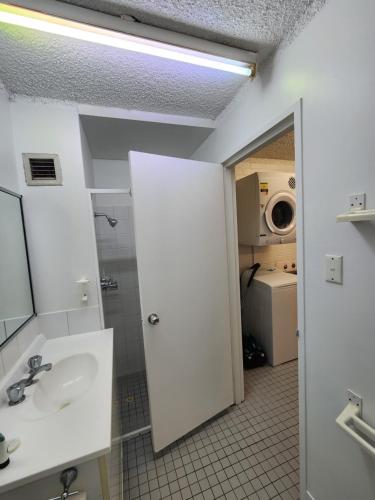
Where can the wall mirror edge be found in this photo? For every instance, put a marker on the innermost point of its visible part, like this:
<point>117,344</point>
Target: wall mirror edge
<point>28,314</point>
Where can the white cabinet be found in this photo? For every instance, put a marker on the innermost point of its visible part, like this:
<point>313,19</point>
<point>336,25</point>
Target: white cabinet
<point>272,314</point>
<point>92,479</point>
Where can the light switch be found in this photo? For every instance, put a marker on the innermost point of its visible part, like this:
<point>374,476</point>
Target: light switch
<point>334,268</point>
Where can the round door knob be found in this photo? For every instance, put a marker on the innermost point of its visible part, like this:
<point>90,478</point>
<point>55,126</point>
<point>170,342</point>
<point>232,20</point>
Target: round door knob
<point>153,319</point>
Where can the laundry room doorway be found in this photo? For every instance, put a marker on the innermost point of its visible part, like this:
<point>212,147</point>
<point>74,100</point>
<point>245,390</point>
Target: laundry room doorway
<point>264,197</point>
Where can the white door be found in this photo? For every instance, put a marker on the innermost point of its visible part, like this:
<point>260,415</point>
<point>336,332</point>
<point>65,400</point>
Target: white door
<point>183,278</point>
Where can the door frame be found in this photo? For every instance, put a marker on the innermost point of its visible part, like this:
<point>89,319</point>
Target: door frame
<point>291,118</point>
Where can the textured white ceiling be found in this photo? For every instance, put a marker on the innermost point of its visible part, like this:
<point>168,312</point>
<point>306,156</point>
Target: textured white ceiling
<point>44,65</point>
<point>259,25</point>
<point>281,148</point>
<point>40,64</point>
<point>112,139</point>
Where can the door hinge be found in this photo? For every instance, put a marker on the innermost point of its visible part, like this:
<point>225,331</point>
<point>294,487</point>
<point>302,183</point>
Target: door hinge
<point>297,333</point>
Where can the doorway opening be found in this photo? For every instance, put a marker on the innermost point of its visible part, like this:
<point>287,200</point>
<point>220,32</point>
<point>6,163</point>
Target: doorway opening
<point>266,219</point>
<point>265,179</point>
<point>114,231</point>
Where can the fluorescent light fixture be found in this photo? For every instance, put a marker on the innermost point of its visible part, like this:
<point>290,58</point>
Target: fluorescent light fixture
<point>50,24</point>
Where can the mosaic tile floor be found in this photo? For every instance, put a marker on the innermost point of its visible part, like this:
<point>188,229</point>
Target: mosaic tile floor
<point>133,397</point>
<point>115,475</point>
<point>249,451</point>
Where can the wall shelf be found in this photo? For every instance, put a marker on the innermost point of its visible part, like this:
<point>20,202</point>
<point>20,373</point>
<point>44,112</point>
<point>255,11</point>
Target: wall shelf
<point>359,216</point>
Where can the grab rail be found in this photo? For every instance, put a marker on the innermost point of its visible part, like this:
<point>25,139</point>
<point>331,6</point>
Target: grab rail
<point>350,420</point>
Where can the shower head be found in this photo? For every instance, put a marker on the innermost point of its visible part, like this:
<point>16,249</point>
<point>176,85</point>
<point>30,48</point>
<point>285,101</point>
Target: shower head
<point>111,220</point>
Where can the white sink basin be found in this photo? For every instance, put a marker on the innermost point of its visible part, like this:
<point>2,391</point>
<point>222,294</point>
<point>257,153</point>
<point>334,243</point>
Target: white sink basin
<point>68,381</point>
<point>65,418</point>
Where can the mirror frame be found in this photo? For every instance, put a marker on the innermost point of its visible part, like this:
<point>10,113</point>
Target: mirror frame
<point>13,335</point>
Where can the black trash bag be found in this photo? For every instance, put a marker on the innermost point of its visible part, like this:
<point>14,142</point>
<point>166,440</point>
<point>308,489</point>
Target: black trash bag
<point>253,354</point>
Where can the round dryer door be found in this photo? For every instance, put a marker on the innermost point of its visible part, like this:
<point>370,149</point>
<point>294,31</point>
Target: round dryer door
<point>280,213</point>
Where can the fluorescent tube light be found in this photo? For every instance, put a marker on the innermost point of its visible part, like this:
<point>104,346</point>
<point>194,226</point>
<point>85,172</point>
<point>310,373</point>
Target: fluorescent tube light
<point>50,24</point>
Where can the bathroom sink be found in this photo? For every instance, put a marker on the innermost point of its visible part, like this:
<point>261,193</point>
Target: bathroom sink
<point>66,416</point>
<point>69,379</point>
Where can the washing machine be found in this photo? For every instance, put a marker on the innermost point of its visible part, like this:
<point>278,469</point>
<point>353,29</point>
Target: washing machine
<point>271,314</point>
<point>266,208</point>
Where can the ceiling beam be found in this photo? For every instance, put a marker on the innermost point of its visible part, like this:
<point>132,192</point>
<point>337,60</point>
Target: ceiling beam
<point>144,116</point>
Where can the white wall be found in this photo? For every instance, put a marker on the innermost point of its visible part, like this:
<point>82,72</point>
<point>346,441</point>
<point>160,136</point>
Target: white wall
<point>15,300</point>
<point>111,174</point>
<point>58,218</point>
<point>251,165</point>
<point>331,66</point>
<point>268,256</point>
<point>8,172</point>
<point>9,180</point>
<point>88,168</point>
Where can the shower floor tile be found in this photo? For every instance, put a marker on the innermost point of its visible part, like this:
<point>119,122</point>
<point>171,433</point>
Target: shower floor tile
<point>249,451</point>
<point>134,407</point>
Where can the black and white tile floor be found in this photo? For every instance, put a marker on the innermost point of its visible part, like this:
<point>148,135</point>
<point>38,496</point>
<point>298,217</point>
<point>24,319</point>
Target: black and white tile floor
<point>133,400</point>
<point>249,451</point>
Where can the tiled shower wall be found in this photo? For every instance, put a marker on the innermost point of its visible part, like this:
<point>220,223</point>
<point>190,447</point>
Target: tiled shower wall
<point>117,259</point>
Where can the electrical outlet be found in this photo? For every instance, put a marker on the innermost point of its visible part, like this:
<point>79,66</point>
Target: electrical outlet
<point>357,202</point>
<point>287,265</point>
<point>334,268</point>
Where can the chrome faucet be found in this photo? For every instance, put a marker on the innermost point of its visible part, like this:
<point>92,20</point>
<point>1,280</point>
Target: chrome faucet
<point>35,365</point>
<point>108,283</point>
<point>16,391</point>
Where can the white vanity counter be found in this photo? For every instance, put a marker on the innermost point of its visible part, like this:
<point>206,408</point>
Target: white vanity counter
<point>65,419</point>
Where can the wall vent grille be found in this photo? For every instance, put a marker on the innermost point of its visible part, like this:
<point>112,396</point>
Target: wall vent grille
<point>42,169</point>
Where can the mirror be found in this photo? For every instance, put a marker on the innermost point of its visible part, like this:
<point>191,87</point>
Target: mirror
<point>16,297</point>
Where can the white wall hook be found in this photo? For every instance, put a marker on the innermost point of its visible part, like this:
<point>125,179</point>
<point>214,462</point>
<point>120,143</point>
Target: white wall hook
<point>83,282</point>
